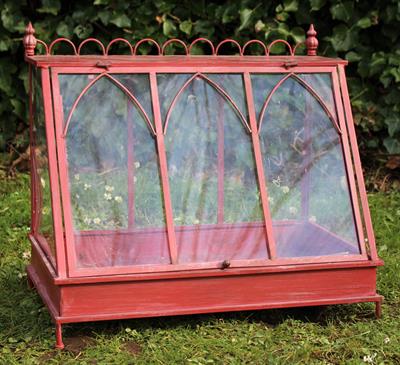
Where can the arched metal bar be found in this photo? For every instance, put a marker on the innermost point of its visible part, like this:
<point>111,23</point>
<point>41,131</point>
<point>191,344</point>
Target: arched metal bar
<point>118,84</point>
<point>256,41</point>
<point>202,40</point>
<point>228,41</point>
<point>215,86</point>
<point>147,40</point>
<point>281,41</point>
<point>119,40</point>
<point>167,43</point>
<point>297,46</point>
<point>58,40</point>
<point>46,48</point>
<point>92,40</point>
<point>308,88</point>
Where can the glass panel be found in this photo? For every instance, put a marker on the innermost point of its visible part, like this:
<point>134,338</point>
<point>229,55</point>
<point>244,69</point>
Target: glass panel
<point>305,174</point>
<point>139,87</point>
<point>214,192</point>
<point>264,85</point>
<point>111,158</point>
<point>43,222</point>
<point>322,85</point>
<point>70,88</point>
<point>169,84</point>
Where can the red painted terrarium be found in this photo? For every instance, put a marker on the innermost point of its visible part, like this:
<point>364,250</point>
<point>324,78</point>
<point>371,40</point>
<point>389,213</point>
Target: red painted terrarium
<point>174,184</point>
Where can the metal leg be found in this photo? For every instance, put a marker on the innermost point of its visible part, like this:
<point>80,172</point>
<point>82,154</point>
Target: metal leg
<point>59,341</point>
<point>30,282</point>
<point>378,308</point>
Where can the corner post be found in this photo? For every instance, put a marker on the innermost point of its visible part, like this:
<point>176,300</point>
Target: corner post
<point>311,41</point>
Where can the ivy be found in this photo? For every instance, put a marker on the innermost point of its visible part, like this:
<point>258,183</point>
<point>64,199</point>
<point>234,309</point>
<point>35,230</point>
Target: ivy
<point>365,33</point>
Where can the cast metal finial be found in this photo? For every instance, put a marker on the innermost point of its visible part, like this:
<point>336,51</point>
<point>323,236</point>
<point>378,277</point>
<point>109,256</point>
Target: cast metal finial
<point>29,40</point>
<point>311,41</point>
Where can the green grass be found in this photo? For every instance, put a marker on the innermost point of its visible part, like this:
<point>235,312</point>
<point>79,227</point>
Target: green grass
<point>345,334</point>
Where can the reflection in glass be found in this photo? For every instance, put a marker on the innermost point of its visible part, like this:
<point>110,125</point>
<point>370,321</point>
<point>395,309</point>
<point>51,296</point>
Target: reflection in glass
<point>305,174</point>
<point>212,176</point>
<point>111,158</point>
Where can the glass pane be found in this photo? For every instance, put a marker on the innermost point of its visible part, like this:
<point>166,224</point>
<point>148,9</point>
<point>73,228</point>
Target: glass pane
<point>322,85</point>
<point>43,224</point>
<point>116,195</point>
<point>70,88</point>
<point>214,192</point>
<point>168,85</point>
<point>305,175</point>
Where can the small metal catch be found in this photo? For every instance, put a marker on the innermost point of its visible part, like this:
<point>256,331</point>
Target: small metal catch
<point>103,64</point>
<point>225,264</point>
<point>289,64</point>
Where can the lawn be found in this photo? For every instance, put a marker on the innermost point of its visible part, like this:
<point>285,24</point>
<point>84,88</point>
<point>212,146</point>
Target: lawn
<point>344,334</point>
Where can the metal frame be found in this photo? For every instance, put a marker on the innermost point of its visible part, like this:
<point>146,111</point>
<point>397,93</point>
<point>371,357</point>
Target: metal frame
<point>61,281</point>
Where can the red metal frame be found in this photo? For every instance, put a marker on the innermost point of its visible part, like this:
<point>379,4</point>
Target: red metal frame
<point>60,284</point>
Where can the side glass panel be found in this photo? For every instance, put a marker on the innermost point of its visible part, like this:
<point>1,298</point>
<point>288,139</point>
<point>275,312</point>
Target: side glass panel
<point>43,220</point>
<point>114,181</point>
<point>215,198</point>
<point>304,167</point>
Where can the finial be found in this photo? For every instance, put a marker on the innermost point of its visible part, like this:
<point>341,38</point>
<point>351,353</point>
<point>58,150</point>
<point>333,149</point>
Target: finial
<point>311,41</point>
<point>29,40</point>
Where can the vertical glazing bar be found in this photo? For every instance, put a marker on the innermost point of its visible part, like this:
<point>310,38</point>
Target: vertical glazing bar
<point>163,169</point>
<point>260,169</point>
<point>131,167</point>
<point>53,174</point>
<point>348,162</point>
<point>32,154</point>
<point>307,160</point>
<point>64,178</point>
<point>357,163</point>
<point>221,167</point>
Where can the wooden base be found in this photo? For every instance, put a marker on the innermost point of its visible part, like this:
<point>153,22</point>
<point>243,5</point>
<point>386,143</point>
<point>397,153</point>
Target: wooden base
<point>106,298</point>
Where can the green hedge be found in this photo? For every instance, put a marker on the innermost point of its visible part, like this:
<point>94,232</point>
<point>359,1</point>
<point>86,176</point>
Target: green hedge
<point>364,32</point>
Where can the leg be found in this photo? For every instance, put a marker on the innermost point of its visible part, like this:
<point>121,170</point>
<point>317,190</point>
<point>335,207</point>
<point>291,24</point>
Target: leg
<point>59,341</point>
<point>378,308</point>
<point>30,282</point>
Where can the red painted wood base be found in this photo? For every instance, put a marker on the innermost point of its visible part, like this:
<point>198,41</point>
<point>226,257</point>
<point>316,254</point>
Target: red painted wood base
<point>77,300</point>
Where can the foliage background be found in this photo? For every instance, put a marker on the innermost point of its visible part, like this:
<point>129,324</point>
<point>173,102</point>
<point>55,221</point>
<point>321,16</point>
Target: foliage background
<point>364,32</point>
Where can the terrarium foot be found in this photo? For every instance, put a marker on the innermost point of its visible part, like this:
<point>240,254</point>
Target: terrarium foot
<point>30,283</point>
<point>378,309</point>
<point>59,341</point>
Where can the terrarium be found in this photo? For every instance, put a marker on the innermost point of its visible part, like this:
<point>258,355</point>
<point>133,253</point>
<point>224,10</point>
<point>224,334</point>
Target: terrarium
<point>166,184</point>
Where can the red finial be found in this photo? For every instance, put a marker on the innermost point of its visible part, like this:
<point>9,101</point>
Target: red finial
<point>311,41</point>
<point>29,40</point>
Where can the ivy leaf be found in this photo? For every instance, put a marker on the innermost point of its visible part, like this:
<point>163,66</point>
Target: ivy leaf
<point>364,23</point>
<point>342,38</point>
<point>83,31</point>
<point>101,2</point>
<point>121,21</point>
<point>169,28</point>
<point>245,17</point>
<point>393,123</point>
<point>186,27</point>
<point>392,145</point>
<point>290,5</point>
<point>297,34</point>
<point>317,4</point>
<point>50,7</point>
<point>342,11</point>
<point>63,30</point>
<point>104,16</point>
<point>353,56</point>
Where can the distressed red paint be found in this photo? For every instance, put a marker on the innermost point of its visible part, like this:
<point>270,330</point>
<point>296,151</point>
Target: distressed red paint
<point>75,293</point>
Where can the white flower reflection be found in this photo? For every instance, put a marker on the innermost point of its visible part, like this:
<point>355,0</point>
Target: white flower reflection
<point>285,189</point>
<point>137,164</point>
<point>107,196</point>
<point>109,188</point>
<point>118,199</point>
<point>96,220</point>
